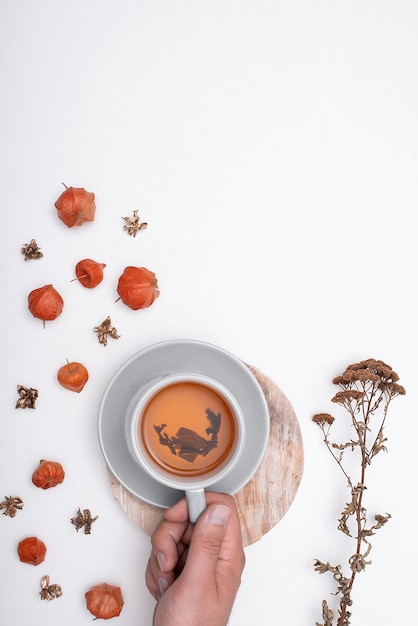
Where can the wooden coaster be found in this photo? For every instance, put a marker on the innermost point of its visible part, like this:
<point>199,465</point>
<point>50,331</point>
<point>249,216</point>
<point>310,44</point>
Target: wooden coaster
<point>268,495</point>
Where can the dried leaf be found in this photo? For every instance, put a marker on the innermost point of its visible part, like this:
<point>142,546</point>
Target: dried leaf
<point>106,330</point>
<point>27,397</point>
<point>133,224</point>
<point>31,251</point>
<point>11,505</point>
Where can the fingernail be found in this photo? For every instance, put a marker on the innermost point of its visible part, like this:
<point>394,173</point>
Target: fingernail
<point>161,560</point>
<point>163,585</point>
<point>219,515</point>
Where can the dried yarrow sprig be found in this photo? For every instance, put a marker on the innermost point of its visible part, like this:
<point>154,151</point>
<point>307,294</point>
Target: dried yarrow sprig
<point>366,390</point>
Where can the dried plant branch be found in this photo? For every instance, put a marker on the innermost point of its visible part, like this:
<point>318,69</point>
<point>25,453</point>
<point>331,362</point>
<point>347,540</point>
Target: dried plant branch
<point>366,390</point>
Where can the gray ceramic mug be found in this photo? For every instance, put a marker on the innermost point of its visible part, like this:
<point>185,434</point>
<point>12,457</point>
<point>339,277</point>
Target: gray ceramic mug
<point>193,485</point>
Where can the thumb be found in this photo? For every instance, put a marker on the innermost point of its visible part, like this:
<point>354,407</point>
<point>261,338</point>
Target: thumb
<point>206,542</point>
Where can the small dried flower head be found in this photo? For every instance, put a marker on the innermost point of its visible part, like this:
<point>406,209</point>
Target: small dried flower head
<point>368,370</point>
<point>393,389</point>
<point>342,397</point>
<point>323,418</point>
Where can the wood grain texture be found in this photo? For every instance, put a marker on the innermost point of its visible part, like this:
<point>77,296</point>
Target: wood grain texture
<point>268,495</point>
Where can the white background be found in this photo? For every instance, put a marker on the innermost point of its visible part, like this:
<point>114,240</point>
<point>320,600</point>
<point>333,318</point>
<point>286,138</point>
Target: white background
<point>272,147</point>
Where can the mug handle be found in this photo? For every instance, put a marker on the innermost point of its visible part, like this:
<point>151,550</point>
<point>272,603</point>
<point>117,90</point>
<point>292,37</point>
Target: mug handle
<point>196,502</point>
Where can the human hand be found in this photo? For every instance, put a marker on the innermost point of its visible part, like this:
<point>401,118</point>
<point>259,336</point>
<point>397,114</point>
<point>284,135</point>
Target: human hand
<point>194,570</point>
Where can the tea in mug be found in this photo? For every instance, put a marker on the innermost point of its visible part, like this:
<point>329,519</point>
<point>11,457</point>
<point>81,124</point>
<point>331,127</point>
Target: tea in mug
<point>187,428</point>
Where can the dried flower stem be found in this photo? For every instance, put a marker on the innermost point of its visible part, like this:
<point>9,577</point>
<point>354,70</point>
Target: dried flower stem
<point>366,388</point>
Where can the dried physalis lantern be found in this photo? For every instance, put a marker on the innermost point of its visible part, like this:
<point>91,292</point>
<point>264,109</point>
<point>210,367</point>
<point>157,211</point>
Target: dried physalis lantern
<point>73,376</point>
<point>75,206</point>
<point>89,273</point>
<point>45,303</point>
<point>104,601</point>
<point>138,287</point>
<point>31,550</point>
<point>48,474</point>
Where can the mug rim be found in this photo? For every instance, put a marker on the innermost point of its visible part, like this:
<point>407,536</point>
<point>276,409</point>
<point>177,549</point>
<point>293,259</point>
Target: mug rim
<point>200,481</point>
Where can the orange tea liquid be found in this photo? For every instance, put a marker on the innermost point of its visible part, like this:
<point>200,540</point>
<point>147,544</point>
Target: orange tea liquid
<point>187,428</point>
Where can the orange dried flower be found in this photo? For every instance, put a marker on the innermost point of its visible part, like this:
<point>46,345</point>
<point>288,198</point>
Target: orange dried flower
<point>138,287</point>
<point>104,601</point>
<point>31,550</point>
<point>76,206</point>
<point>73,376</point>
<point>89,273</point>
<point>48,474</point>
<point>45,303</point>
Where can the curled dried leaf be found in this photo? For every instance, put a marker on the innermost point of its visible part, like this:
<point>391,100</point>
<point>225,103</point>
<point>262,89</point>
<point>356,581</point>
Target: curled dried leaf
<point>27,397</point>
<point>11,505</point>
<point>105,330</point>
<point>84,520</point>
<point>133,224</point>
<point>48,591</point>
<point>31,251</point>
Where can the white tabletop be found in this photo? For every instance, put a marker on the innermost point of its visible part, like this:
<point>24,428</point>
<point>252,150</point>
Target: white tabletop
<point>272,147</point>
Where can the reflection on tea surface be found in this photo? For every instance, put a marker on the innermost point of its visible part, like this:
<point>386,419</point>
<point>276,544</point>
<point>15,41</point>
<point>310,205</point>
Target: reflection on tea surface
<point>187,428</point>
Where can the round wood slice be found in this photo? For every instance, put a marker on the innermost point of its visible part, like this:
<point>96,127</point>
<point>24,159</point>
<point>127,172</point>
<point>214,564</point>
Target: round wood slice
<point>268,495</point>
